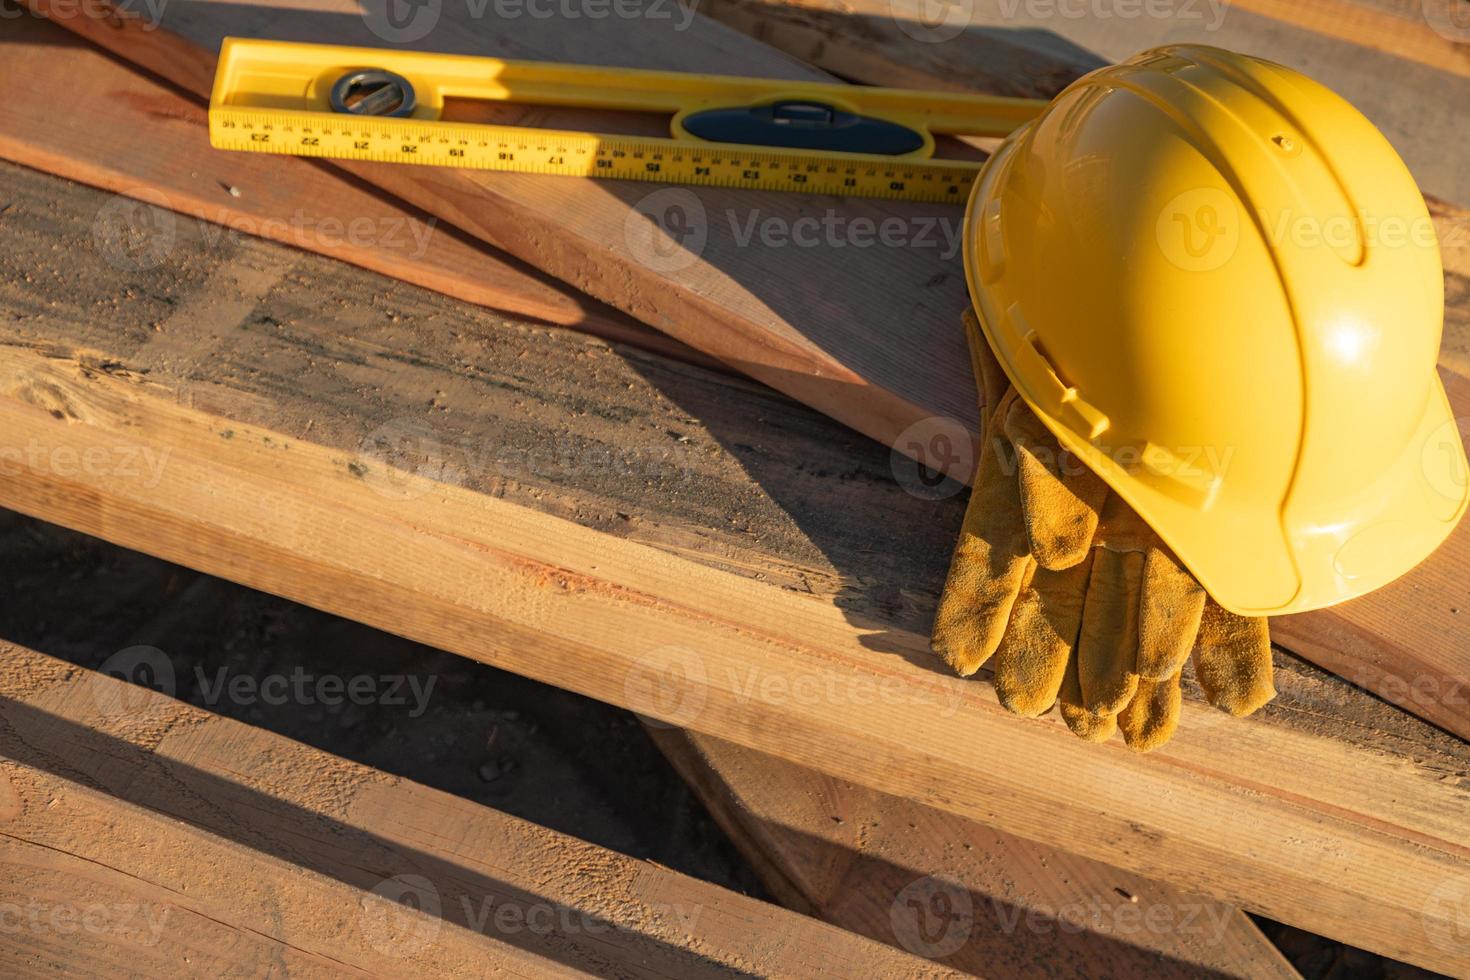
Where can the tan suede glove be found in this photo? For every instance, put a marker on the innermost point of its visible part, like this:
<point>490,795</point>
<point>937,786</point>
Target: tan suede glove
<point>1074,595</point>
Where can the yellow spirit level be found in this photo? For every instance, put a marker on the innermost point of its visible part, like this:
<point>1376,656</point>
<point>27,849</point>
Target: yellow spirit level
<point>726,131</point>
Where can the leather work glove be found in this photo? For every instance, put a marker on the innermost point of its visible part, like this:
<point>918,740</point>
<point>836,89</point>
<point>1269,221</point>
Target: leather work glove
<point>1075,597</point>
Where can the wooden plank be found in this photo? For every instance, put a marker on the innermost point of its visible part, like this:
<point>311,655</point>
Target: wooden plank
<point>976,899</point>
<point>1405,642</point>
<point>861,41</point>
<point>299,202</point>
<point>709,281</point>
<point>1384,57</point>
<point>183,612</point>
<point>1430,32</point>
<point>681,543</point>
<point>142,836</point>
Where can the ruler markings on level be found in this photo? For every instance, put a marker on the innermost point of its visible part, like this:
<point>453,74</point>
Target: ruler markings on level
<point>518,150</point>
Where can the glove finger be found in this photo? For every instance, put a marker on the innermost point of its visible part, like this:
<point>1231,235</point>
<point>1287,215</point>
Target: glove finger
<point>990,377</point>
<point>1172,603</point>
<point>1039,640</point>
<point>1060,497</point>
<point>979,595</point>
<point>991,561</point>
<point>1086,725</point>
<point>1121,529</point>
<point>1152,717</point>
<point>1232,660</point>
<point>1107,648</point>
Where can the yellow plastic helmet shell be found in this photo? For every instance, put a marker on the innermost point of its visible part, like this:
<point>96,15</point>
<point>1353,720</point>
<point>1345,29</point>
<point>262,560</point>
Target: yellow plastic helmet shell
<point>1217,284</point>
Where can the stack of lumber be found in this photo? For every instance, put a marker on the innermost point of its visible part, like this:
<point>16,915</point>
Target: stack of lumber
<point>628,521</point>
<point>1029,901</point>
<point>164,840</point>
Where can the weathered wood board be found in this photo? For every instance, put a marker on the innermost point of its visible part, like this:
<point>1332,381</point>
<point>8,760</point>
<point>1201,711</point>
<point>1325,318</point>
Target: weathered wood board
<point>974,898</point>
<point>831,317</point>
<point>299,202</point>
<point>1405,65</point>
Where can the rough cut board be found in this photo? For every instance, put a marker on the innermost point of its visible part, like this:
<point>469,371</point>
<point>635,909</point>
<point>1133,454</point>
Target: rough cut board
<point>1382,56</point>
<point>110,597</point>
<point>833,326</point>
<point>1407,643</point>
<point>682,543</point>
<point>974,898</point>
<point>299,202</point>
<point>245,852</point>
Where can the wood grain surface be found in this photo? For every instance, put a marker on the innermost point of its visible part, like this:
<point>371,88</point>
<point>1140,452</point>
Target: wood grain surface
<point>978,899</point>
<point>678,542</point>
<point>142,836</point>
<point>132,135</point>
<point>831,324</point>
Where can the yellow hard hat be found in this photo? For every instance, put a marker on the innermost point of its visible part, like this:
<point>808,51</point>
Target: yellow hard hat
<point>1219,286</point>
